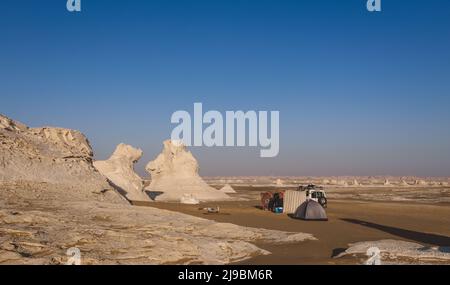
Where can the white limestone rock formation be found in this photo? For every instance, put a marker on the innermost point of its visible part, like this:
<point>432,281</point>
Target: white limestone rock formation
<point>387,183</point>
<point>343,183</point>
<point>227,189</point>
<point>404,183</point>
<point>421,183</point>
<point>175,173</point>
<point>443,183</point>
<point>356,183</point>
<point>189,199</point>
<point>120,172</point>
<point>51,155</point>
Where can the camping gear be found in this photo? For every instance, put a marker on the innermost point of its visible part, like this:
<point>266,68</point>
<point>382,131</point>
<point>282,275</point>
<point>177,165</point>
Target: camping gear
<point>311,211</point>
<point>292,200</point>
<point>276,202</point>
<point>278,210</point>
<point>270,201</point>
<point>265,199</point>
<point>211,210</point>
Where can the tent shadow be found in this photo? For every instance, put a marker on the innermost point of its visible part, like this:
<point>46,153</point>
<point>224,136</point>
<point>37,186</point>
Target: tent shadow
<point>421,237</point>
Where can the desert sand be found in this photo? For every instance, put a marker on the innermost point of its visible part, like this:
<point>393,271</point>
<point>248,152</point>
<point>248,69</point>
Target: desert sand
<point>426,224</point>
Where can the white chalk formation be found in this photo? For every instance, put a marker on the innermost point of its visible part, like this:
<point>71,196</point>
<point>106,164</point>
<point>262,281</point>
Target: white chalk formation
<point>119,169</point>
<point>189,199</point>
<point>404,183</point>
<point>227,189</point>
<point>175,173</point>
<point>421,183</point>
<point>50,155</point>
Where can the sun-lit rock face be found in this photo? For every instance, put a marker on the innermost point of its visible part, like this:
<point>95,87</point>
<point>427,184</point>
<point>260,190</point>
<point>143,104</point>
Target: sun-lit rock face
<point>120,171</point>
<point>174,173</point>
<point>49,155</point>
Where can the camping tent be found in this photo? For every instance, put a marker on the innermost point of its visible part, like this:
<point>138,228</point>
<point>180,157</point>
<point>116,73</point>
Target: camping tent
<point>311,210</point>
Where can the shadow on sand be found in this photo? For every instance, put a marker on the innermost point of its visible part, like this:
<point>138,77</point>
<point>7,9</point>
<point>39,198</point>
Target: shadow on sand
<point>431,239</point>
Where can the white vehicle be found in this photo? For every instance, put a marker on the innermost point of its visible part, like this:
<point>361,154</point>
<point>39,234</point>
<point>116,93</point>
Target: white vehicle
<point>315,193</point>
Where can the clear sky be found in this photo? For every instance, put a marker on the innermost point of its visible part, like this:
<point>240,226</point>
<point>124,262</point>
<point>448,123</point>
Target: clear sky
<point>359,93</point>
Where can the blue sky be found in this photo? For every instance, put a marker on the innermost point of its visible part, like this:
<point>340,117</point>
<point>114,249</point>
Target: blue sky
<point>359,93</point>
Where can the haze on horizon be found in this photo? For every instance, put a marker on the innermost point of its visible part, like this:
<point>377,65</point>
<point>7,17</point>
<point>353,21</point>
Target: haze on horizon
<point>359,93</point>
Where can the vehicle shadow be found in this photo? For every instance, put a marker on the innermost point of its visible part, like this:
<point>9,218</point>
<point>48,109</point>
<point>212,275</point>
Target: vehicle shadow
<point>421,237</point>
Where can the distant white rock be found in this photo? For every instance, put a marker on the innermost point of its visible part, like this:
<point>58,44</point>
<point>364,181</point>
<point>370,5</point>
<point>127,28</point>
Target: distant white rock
<point>421,183</point>
<point>119,169</point>
<point>404,183</point>
<point>227,189</point>
<point>356,183</point>
<point>387,183</point>
<point>175,173</point>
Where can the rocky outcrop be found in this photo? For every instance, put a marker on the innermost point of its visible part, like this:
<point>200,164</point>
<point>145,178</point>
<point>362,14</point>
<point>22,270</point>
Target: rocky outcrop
<point>421,183</point>
<point>227,189</point>
<point>119,169</point>
<point>50,155</point>
<point>404,183</point>
<point>175,173</point>
<point>41,230</point>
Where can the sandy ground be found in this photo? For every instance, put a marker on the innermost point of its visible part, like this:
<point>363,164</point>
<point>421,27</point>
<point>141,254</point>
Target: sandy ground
<point>349,221</point>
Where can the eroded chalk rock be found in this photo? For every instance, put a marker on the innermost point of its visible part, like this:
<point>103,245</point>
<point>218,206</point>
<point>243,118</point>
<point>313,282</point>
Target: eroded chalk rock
<point>119,170</point>
<point>227,189</point>
<point>51,155</point>
<point>175,173</point>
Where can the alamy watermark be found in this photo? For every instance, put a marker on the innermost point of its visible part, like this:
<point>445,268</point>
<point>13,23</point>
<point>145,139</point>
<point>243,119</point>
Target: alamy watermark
<point>74,255</point>
<point>374,5</point>
<point>73,5</point>
<point>374,254</point>
<point>239,128</point>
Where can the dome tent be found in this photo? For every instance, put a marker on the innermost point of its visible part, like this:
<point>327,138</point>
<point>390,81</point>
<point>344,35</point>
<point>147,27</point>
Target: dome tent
<point>312,211</point>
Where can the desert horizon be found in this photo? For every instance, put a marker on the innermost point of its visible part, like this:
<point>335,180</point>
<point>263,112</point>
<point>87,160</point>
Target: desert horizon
<point>39,166</point>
